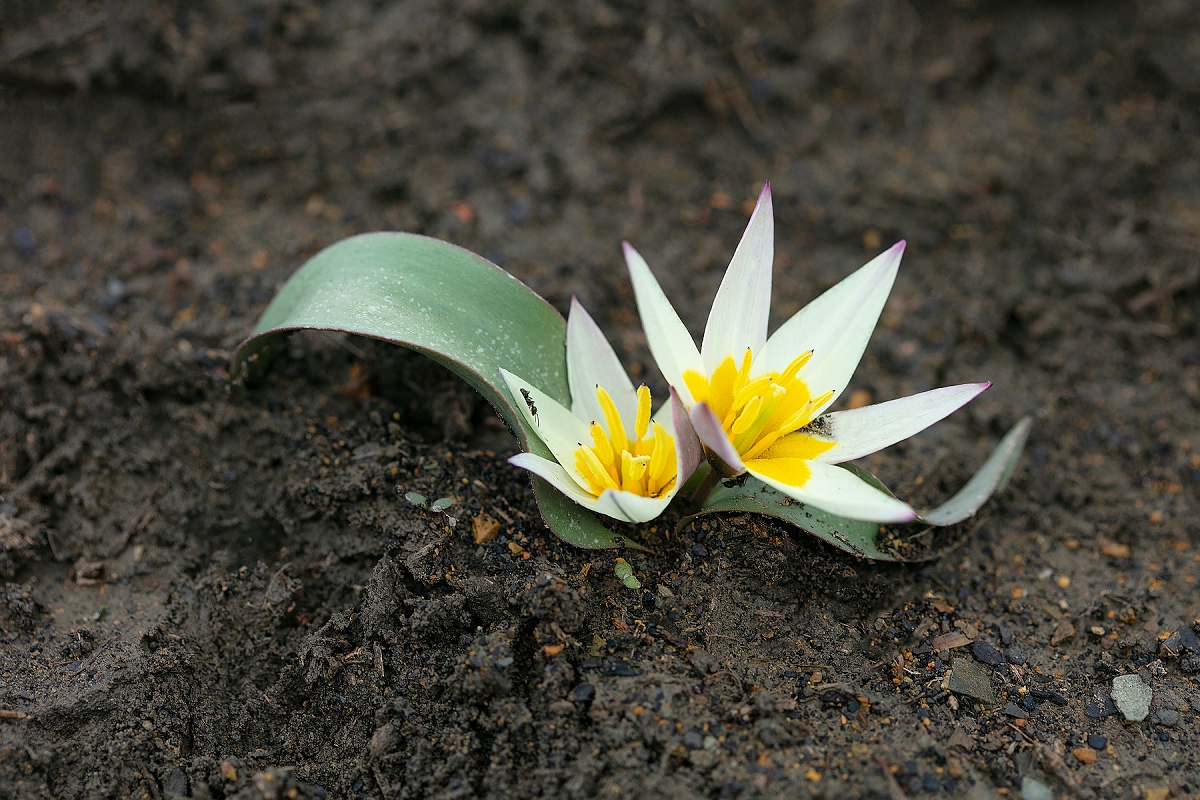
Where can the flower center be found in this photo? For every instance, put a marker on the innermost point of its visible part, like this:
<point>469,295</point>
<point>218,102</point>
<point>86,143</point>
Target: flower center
<point>756,412</point>
<point>643,464</point>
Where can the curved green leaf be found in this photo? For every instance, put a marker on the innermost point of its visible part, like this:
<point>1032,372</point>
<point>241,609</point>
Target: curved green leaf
<point>449,304</point>
<point>860,538</point>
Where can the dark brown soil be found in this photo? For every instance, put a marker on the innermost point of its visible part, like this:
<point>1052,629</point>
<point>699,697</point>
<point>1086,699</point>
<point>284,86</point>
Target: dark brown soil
<point>214,596</point>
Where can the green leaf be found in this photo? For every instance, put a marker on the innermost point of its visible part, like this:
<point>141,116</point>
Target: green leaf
<point>451,305</point>
<point>992,476</point>
<point>860,538</point>
<point>415,498</point>
<point>441,504</point>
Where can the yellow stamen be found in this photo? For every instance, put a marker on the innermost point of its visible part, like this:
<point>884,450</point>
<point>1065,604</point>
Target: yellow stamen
<point>633,469</point>
<point>642,422</point>
<point>616,430</point>
<point>659,455</point>
<point>744,369</point>
<point>747,418</point>
<point>593,471</point>
<point>793,369</point>
<point>758,413</point>
<point>645,466</point>
<point>603,449</point>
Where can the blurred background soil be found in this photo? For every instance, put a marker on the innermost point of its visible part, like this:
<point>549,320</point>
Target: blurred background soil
<point>216,596</point>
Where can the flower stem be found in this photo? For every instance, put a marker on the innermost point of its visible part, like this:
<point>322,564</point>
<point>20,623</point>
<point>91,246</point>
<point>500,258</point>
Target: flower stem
<point>702,491</point>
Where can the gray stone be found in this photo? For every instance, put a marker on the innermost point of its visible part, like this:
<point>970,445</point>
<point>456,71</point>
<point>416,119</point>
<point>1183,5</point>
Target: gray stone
<point>1035,790</point>
<point>967,678</point>
<point>1132,697</point>
<point>1168,717</point>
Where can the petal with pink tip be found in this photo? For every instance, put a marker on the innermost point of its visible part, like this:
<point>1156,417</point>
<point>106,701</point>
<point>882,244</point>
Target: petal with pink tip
<point>739,315</point>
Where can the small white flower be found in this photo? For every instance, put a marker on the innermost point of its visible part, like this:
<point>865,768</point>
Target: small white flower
<point>627,472</point>
<point>758,403</point>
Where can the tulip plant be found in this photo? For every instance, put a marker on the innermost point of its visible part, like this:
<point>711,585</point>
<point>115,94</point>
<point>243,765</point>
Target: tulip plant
<point>746,427</point>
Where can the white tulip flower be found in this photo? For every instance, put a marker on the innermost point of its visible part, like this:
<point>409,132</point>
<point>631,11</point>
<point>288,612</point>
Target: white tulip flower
<point>611,455</point>
<point>758,404</point>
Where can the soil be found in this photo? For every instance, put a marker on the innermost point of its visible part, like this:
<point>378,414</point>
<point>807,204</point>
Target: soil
<point>216,595</point>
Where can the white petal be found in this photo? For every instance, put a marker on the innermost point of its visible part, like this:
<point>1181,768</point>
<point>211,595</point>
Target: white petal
<point>840,492</point>
<point>554,424</point>
<point>709,429</point>
<point>862,431</point>
<point>630,507</point>
<point>670,343</point>
<point>738,318</point>
<point>623,506</point>
<point>687,446</point>
<point>558,477</point>
<point>591,362</point>
<point>836,327</point>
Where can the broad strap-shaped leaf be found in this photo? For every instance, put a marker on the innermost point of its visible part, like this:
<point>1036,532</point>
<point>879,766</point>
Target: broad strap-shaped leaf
<point>451,305</point>
<point>860,538</point>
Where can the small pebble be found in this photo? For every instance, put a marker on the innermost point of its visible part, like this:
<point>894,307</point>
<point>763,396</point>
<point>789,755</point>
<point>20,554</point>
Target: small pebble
<point>1187,638</point>
<point>1035,790</point>
<point>1006,635</point>
<point>1013,710</point>
<point>986,652</point>
<point>583,693</point>
<point>692,740</point>
<point>1097,742</point>
<point>1168,717</point>
<point>1085,754</point>
<point>1016,655</point>
<point>1132,697</point>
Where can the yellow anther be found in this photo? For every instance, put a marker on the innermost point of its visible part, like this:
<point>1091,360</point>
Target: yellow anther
<point>633,468</point>
<point>642,423</point>
<point>748,417</point>
<point>793,369</point>
<point>744,369</point>
<point>591,468</point>
<point>663,450</point>
<point>645,466</point>
<point>616,430</point>
<point>758,386</point>
<point>821,399</point>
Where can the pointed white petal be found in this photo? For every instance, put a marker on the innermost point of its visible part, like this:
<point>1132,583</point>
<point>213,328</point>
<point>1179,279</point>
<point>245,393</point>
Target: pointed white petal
<point>630,507</point>
<point>670,343</point>
<point>558,477</point>
<point>687,446</point>
<point>862,431</point>
<point>554,424</point>
<point>738,318</point>
<point>709,429</point>
<point>591,362</point>
<point>840,492</point>
<point>836,327</point>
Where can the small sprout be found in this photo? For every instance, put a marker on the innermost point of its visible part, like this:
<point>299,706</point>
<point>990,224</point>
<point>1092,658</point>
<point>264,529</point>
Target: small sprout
<point>417,500</point>
<point>625,573</point>
<point>441,504</point>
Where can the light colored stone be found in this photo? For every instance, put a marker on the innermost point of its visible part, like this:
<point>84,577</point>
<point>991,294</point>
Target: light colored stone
<point>1035,790</point>
<point>1132,697</point>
